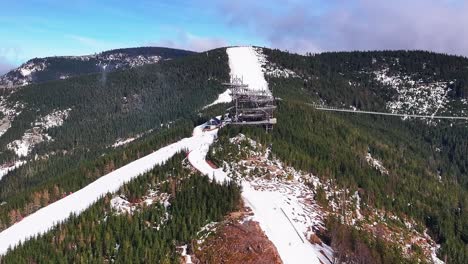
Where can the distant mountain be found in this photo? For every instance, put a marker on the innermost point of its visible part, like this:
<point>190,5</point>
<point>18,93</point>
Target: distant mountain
<point>54,68</point>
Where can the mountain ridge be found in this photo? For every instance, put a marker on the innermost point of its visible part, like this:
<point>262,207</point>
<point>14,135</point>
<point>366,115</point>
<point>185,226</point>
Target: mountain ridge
<point>39,70</point>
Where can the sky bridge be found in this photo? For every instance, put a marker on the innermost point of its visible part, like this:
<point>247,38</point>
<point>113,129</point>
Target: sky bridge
<point>336,109</point>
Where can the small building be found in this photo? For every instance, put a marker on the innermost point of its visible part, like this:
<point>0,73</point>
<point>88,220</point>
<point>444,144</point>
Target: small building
<point>214,121</point>
<point>212,124</point>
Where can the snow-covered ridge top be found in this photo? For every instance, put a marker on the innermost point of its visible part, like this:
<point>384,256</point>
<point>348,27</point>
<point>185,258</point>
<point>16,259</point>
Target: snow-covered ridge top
<point>22,75</point>
<point>25,74</point>
<point>245,62</point>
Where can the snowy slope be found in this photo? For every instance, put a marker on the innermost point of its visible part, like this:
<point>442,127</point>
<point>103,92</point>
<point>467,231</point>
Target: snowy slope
<point>272,209</point>
<point>38,133</point>
<point>245,63</point>
<point>46,218</point>
<point>275,211</point>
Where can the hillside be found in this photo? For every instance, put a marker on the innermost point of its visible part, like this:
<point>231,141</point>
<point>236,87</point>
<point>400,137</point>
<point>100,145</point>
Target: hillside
<point>332,186</point>
<point>411,82</point>
<point>152,104</point>
<point>58,68</point>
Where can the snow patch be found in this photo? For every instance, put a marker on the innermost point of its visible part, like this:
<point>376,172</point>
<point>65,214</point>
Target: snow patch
<point>7,167</point>
<point>357,202</point>
<point>224,97</point>
<point>375,163</point>
<point>37,134</point>
<point>120,142</point>
<point>120,205</point>
<point>273,70</point>
<point>206,231</point>
<point>54,119</point>
<point>9,114</point>
<point>183,253</point>
<point>434,257</point>
<point>414,97</point>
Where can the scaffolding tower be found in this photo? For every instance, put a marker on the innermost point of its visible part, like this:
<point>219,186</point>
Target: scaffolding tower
<point>251,107</point>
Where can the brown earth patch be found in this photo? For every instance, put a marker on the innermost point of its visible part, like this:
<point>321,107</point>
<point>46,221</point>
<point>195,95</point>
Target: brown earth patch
<point>236,242</point>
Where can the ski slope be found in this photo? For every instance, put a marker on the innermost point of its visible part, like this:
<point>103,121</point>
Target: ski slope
<point>245,63</point>
<point>47,217</point>
<point>273,211</point>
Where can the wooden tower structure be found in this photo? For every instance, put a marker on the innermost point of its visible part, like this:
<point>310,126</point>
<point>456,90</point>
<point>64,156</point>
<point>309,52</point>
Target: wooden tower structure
<point>251,107</point>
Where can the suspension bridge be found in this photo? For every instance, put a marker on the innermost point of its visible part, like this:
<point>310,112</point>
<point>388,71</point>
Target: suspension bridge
<point>336,109</point>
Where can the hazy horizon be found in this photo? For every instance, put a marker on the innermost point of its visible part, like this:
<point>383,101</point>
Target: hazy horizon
<point>41,28</point>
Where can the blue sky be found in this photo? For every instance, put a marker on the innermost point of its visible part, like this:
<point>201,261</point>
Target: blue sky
<point>38,28</point>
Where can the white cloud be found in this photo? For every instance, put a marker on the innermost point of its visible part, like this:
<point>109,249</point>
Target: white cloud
<point>188,41</point>
<point>354,25</point>
<point>90,45</point>
<point>5,66</point>
<point>6,54</point>
<point>91,42</point>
